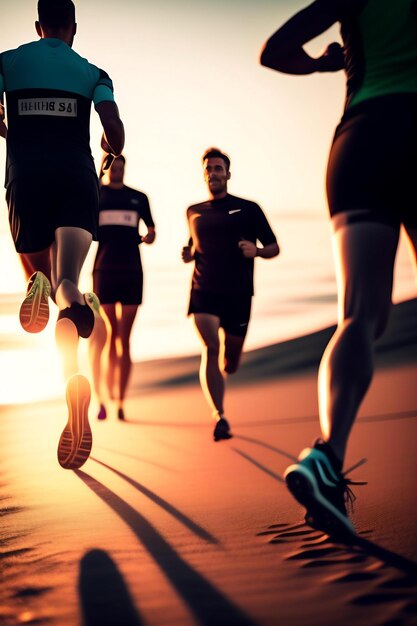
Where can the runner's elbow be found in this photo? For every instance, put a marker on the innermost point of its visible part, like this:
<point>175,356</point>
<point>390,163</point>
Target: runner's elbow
<point>115,135</point>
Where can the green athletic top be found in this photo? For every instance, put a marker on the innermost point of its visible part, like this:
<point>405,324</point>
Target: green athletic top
<point>380,39</point>
<point>49,89</point>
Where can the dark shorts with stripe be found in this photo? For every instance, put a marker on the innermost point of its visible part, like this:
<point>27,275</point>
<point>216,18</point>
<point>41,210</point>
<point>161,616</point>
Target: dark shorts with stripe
<point>40,203</point>
<point>372,169</point>
<point>122,286</point>
<point>233,310</point>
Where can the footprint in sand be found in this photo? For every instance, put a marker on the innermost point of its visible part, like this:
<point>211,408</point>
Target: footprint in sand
<point>362,571</point>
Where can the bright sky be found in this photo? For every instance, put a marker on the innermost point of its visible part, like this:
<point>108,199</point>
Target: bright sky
<point>186,76</point>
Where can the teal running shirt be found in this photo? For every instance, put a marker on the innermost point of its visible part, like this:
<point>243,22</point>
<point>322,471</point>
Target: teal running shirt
<point>49,90</point>
<point>380,43</point>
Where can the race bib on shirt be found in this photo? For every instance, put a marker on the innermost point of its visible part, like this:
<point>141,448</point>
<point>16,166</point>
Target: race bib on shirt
<point>118,218</point>
<point>58,107</point>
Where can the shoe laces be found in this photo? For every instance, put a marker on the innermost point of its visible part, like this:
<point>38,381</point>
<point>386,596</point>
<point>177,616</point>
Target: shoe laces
<point>348,494</point>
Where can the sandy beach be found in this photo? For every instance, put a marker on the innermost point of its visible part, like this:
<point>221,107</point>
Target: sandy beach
<point>162,526</point>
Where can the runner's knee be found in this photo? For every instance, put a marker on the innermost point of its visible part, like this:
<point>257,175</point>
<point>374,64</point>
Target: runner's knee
<point>231,365</point>
<point>212,347</point>
<point>373,325</point>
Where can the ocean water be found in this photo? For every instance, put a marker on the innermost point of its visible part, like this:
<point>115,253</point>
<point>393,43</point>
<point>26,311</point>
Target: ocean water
<point>295,294</point>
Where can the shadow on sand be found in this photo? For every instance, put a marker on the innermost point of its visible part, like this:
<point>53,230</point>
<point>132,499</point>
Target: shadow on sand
<point>104,596</point>
<point>169,508</point>
<point>373,575</point>
<point>137,458</point>
<point>209,606</point>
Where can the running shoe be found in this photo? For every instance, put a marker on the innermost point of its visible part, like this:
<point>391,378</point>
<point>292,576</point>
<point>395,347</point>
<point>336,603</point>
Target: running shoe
<point>81,315</point>
<point>34,311</point>
<point>102,413</point>
<point>76,440</point>
<point>121,415</point>
<point>93,302</point>
<point>222,430</point>
<point>322,490</point>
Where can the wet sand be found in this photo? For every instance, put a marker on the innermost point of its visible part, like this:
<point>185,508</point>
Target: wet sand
<point>162,526</point>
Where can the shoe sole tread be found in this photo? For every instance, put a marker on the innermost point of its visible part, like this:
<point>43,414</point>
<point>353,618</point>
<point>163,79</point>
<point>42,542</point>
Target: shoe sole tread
<point>76,439</point>
<point>34,311</point>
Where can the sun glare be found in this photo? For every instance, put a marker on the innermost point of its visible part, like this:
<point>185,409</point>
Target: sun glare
<point>30,375</point>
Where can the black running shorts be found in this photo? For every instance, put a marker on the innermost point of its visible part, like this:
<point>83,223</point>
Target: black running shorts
<point>39,204</point>
<point>123,286</point>
<point>372,169</point>
<point>233,310</point>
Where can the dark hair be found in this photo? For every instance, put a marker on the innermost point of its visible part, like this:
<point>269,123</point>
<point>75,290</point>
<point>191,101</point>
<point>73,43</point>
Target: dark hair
<point>215,153</point>
<point>56,13</point>
<point>104,159</point>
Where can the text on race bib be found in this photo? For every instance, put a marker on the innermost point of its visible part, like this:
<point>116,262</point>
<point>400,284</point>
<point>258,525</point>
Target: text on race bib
<point>118,218</point>
<point>59,107</point>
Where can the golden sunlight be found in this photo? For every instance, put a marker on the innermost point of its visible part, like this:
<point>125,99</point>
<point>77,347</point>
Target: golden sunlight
<point>30,364</point>
<point>30,375</point>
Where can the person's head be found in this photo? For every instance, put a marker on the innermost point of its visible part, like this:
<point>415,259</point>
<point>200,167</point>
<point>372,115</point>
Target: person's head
<point>216,168</point>
<point>56,19</point>
<point>117,171</point>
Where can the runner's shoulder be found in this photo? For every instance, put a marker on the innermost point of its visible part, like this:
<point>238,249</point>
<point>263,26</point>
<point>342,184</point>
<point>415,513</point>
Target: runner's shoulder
<point>135,193</point>
<point>195,208</point>
<point>8,56</point>
<point>34,49</point>
<point>243,203</point>
<point>132,190</point>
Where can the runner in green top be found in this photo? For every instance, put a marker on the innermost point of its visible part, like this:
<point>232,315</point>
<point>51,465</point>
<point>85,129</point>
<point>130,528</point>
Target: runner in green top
<point>371,192</point>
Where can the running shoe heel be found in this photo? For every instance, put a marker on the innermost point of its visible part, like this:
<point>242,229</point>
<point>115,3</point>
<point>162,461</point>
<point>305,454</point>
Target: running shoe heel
<point>102,414</point>
<point>93,302</point>
<point>299,486</point>
<point>222,430</point>
<point>325,510</point>
<point>76,440</point>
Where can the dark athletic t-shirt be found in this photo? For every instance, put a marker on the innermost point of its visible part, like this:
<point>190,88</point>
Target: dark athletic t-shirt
<point>118,234</point>
<point>216,227</point>
<point>49,90</point>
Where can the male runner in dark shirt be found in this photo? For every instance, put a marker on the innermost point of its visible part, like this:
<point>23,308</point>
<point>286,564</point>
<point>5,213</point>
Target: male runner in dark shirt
<point>223,235</point>
<point>52,189</point>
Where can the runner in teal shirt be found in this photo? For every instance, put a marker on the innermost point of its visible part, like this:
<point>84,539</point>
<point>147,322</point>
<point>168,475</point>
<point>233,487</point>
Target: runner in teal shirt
<point>52,189</point>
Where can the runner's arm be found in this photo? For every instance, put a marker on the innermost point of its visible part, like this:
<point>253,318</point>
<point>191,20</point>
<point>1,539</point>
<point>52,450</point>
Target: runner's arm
<point>250,250</point>
<point>188,252</point>
<point>261,231</point>
<point>269,251</point>
<point>3,127</point>
<point>150,235</point>
<point>146,216</point>
<point>113,139</point>
<point>284,49</point>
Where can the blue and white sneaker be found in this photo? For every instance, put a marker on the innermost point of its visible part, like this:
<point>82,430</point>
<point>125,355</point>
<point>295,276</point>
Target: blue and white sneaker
<point>322,490</point>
